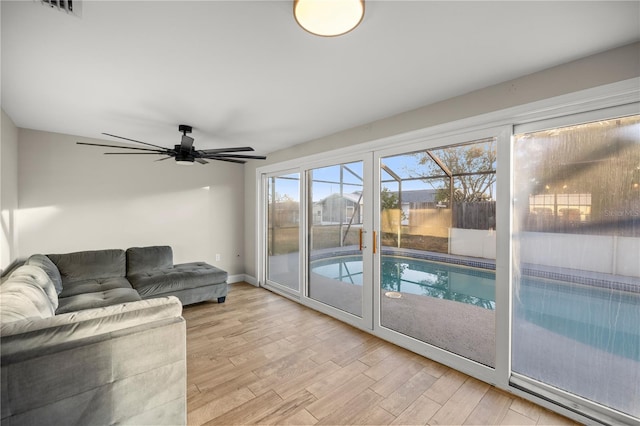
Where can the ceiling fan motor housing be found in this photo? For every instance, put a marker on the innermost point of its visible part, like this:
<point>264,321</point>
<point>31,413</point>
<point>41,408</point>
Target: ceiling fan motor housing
<point>182,155</point>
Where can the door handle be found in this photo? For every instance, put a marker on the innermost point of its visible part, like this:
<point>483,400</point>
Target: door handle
<point>375,242</point>
<point>360,239</point>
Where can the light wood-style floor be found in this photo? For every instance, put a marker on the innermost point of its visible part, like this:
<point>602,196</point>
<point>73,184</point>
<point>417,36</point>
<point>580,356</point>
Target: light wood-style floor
<point>260,358</point>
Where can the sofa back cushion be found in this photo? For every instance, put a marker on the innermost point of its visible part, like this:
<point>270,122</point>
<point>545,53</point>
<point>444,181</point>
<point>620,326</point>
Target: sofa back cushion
<point>90,264</point>
<point>41,278</point>
<point>44,263</point>
<point>144,259</point>
<point>21,297</point>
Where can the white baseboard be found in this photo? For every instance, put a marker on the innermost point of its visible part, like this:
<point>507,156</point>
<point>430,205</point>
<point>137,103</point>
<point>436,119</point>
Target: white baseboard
<point>242,277</point>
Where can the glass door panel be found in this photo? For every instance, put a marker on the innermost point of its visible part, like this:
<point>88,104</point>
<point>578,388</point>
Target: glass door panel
<point>283,226</point>
<point>335,235</point>
<point>576,286</point>
<point>438,246</point>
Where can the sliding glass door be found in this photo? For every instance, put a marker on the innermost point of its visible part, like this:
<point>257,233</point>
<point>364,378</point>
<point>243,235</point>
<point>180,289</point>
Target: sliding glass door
<point>283,230</point>
<point>576,286</point>
<point>438,247</point>
<point>337,275</point>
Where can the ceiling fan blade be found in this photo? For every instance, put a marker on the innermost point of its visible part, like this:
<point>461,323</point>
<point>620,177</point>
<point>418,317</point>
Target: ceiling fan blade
<point>201,161</point>
<point>165,158</point>
<point>135,153</point>
<point>230,160</point>
<point>221,150</point>
<point>133,140</point>
<point>250,157</point>
<point>186,144</point>
<point>123,147</point>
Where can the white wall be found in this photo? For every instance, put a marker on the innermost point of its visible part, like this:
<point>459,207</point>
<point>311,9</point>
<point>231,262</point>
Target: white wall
<point>598,253</point>
<point>8,193</point>
<point>627,251</point>
<point>73,198</point>
<point>604,68</point>
<point>472,242</point>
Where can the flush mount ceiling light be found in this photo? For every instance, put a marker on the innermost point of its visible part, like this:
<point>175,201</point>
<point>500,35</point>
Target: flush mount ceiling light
<point>328,18</point>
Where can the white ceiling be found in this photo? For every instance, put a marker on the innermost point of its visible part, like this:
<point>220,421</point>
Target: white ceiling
<point>243,72</point>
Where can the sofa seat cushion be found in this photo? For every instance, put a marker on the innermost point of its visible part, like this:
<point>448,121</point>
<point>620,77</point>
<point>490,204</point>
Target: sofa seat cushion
<point>90,264</point>
<point>180,277</point>
<point>99,299</point>
<point>93,285</point>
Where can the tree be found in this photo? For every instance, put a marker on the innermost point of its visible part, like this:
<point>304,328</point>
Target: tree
<point>470,167</point>
<point>388,200</point>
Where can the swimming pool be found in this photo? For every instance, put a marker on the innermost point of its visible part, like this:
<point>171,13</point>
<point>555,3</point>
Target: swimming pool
<point>599,317</point>
<point>400,274</point>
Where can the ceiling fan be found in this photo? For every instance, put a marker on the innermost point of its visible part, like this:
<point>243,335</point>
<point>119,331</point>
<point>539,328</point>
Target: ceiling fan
<point>185,153</point>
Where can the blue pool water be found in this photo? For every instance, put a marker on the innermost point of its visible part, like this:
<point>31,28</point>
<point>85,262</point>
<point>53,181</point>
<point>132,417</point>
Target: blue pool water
<point>416,276</point>
<point>603,318</point>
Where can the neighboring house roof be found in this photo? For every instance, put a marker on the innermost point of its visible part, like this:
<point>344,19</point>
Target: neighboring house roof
<point>415,196</point>
<point>418,196</point>
<point>355,197</point>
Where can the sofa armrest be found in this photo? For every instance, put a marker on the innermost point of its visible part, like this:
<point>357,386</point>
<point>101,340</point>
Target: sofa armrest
<point>37,336</point>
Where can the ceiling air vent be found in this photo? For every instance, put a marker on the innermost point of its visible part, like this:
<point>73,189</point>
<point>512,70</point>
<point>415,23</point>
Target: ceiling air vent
<point>69,6</point>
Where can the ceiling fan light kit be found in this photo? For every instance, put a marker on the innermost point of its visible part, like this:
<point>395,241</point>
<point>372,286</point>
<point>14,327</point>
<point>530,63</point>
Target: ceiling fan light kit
<point>185,153</point>
<point>328,18</point>
<point>184,162</point>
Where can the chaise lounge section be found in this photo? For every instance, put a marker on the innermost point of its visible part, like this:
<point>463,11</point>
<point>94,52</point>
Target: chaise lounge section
<point>151,272</point>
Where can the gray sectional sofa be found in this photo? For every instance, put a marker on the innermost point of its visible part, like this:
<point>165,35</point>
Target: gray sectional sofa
<point>97,337</point>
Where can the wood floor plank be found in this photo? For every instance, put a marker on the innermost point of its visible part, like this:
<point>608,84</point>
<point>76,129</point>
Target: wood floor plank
<point>218,407</point>
<point>284,373</point>
<point>357,352</point>
<point>358,408</point>
<point>513,418</point>
<point>297,384</point>
<point>390,364</point>
<point>260,358</point>
<point>375,415</point>
<point>408,392</point>
<point>213,393</point>
<point>336,345</point>
<point>526,408</point>
<point>340,396</point>
<point>491,409</point>
<point>377,355</point>
<point>289,407</point>
<point>327,384</point>
<point>389,383</point>
<point>301,418</point>
<point>457,408</point>
<point>418,413</point>
<point>446,386</point>
<point>434,368</point>
<point>290,361</point>
<point>248,412</point>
